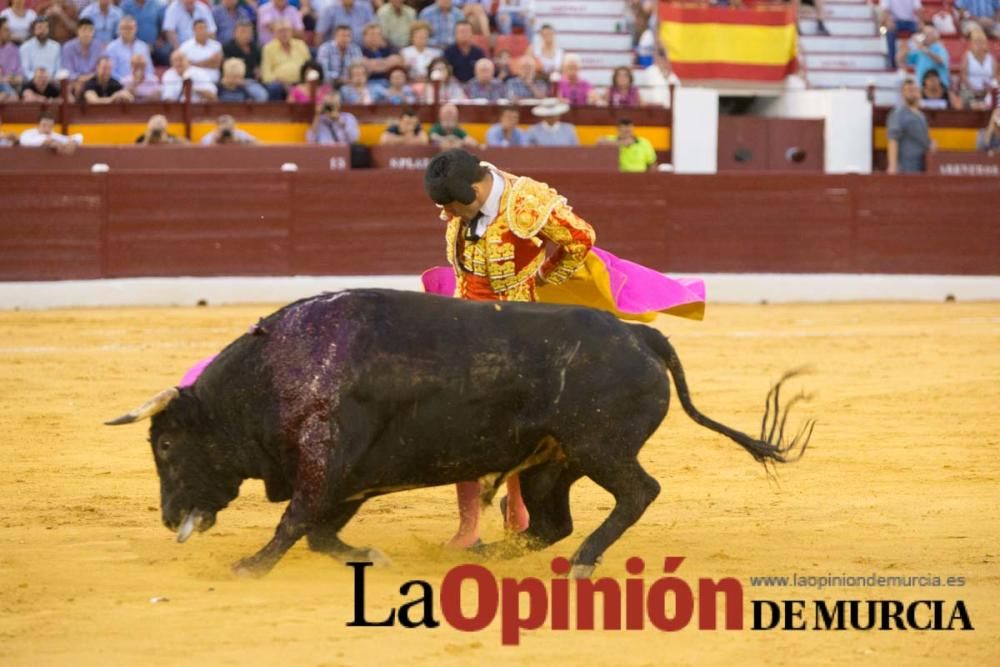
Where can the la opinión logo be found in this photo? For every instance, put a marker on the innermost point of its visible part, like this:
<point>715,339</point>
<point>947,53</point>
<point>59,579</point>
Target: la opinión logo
<point>668,604</point>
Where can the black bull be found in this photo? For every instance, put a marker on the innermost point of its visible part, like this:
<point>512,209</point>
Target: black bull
<point>341,397</point>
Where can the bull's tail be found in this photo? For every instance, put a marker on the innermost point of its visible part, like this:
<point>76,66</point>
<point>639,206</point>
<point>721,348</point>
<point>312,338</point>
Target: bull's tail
<point>772,445</point>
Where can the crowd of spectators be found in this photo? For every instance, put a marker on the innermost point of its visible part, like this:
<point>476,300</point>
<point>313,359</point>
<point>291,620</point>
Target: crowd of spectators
<point>972,88</point>
<point>405,52</point>
<point>965,78</point>
<point>392,51</point>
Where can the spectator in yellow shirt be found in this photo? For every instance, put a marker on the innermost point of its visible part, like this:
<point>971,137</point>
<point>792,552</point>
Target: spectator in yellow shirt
<point>635,154</point>
<point>282,58</point>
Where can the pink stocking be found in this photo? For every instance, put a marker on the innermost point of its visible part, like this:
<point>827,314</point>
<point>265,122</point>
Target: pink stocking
<point>468,515</point>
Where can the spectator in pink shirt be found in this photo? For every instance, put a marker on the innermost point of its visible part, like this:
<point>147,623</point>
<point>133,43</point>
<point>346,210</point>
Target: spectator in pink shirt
<point>572,88</point>
<point>301,93</point>
<point>271,12</point>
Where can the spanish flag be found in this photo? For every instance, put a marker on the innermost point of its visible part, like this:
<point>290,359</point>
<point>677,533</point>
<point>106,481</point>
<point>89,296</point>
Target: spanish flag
<point>755,44</point>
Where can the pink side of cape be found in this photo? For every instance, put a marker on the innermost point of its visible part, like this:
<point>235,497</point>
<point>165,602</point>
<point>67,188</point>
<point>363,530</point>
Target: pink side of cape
<point>192,373</point>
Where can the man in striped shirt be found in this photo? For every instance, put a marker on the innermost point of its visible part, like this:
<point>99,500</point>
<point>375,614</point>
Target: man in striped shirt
<point>442,17</point>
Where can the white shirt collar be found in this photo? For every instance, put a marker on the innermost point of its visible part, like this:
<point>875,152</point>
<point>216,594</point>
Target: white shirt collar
<point>491,208</point>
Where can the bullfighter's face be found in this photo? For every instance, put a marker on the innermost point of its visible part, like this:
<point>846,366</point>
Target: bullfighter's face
<point>196,479</point>
<point>467,212</point>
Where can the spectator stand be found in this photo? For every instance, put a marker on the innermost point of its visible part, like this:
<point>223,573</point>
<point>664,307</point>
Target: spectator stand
<point>287,123</point>
<point>593,29</point>
<point>853,54</point>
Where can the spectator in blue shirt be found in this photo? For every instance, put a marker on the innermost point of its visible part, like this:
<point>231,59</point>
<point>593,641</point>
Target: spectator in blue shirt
<point>148,15</point>
<point>227,14</point>
<point>105,17</point>
<point>526,85</point>
<point>337,55</point>
<point>294,3</point>
<point>80,55</point>
<point>357,91</point>
<point>551,131</point>
<point>485,86</point>
<point>398,90</point>
<point>442,18</point>
<point>39,52</point>
<point>354,13</point>
<point>984,13</point>
<point>463,54</point>
<point>506,133</point>
<point>122,50</point>
<point>928,53</point>
<point>179,18</point>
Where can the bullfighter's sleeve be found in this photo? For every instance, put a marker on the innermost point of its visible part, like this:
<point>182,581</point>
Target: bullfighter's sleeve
<point>573,238</point>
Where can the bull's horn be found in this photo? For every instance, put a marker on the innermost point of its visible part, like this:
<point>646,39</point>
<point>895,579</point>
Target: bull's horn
<point>147,409</point>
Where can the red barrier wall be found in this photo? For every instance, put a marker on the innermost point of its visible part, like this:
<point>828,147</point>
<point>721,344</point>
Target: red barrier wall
<point>55,226</point>
<point>171,157</point>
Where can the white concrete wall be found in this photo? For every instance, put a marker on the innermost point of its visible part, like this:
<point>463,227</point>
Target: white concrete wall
<point>695,135</point>
<point>848,127</point>
<point>720,287</point>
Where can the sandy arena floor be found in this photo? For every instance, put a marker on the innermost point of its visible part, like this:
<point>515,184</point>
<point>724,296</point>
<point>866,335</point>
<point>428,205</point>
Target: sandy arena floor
<point>903,479</point>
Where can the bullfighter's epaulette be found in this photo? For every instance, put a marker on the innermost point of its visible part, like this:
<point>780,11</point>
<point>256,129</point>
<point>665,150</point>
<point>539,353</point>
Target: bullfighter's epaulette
<point>529,206</point>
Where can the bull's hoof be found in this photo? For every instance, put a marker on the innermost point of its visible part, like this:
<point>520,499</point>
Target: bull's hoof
<point>250,568</point>
<point>582,571</point>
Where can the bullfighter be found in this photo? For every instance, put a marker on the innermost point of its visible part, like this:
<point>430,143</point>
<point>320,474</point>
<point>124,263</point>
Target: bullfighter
<point>498,228</point>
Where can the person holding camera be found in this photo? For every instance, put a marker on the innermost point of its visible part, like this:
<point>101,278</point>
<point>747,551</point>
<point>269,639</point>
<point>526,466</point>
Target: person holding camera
<point>331,125</point>
<point>925,52</point>
<point>226,132</point>
<point>156,133</point>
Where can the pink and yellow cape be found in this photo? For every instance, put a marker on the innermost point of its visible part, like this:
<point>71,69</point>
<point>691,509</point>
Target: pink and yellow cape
<point>629,290</point>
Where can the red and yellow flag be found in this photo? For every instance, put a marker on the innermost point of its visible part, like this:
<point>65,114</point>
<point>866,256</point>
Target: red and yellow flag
<point>754,44</point>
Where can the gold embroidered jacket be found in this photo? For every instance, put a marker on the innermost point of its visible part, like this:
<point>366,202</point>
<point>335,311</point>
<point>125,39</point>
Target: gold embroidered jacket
<point>504,263</point>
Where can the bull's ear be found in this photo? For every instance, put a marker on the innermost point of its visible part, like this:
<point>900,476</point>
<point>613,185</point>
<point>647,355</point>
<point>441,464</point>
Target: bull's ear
<point>147,409</point>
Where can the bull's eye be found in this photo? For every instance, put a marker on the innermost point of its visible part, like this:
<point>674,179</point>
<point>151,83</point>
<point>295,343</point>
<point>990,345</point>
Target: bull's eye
<point>164,446</point>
